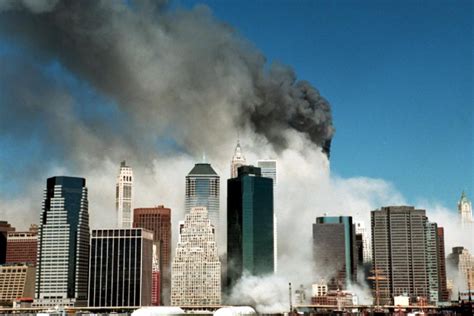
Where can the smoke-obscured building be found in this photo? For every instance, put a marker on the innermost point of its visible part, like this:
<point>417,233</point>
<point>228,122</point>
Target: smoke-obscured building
<point>158,220</point>
<point>202,190</point>
<point>124,195</point>
<point>22,247</point>
<point>63,243</point>
<point>366,248</point>
<point>238,160</point>
<point>250,229</point>
<point>196,269</point>
<point>463,262</point>
<point>121,267</point>
<point>5,227</point>
<point>406,252</point>
<point>334,250</point>
<point>268,168</point>
<point>16,281</point>
<point>465,210</point>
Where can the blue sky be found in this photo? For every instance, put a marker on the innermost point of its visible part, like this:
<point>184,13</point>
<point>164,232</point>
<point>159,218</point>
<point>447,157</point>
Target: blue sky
<point>399,76</point>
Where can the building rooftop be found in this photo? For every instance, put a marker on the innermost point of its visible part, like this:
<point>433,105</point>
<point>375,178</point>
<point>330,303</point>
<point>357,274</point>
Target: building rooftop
<point>202,169</point>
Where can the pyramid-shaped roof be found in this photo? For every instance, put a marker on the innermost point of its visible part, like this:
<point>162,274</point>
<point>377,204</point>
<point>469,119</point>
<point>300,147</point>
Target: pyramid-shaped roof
<point>202,169</point>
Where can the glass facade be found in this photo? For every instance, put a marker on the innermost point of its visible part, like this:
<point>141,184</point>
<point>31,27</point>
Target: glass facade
<point>63,242</point>
<point>249,224</point>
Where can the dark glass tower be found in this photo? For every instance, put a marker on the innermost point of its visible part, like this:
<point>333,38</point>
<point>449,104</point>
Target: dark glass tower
<point>335,251</point>
<point>121,267</point>
<point>249,224</point>
<point>63,243</point>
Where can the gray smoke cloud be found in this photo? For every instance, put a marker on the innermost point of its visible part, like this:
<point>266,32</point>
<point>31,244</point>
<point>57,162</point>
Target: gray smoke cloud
<point>172,72</point>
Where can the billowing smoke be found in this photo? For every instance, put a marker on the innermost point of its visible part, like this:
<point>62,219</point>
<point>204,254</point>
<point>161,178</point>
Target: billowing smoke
<point>86,84</point>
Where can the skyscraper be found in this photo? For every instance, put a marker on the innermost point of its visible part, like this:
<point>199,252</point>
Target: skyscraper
<point>63,243</point>
<point>405,251</point>
<point>268,168</point>
<point>16,281</point>
<point>124,195</point>
<point>334,250</point>
<point>249,224</point>
<point>462,261</point>
<point>238,160</point>
<point>202,190</point>
<point>158,220</point>
<point>196,271</point>
<point>465,210</point>
<point>121,267</point>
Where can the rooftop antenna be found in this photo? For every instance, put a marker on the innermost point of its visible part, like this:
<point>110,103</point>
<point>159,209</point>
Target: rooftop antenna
<point>203,156</point>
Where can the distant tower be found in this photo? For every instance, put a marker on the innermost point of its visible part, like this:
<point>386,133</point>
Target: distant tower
<point>196,269</point>
<point>237,160</point>
<point>465,210</point>
<point>249,224</point>
<point>269,170</point>
<point>202,190</point>
<point>123,196</point>
<point>63,243</point>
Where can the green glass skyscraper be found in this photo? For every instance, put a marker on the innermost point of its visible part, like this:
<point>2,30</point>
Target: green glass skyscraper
<point>249,224</point>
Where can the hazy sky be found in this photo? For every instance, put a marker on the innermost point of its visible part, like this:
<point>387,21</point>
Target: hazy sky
<point>399,77</point>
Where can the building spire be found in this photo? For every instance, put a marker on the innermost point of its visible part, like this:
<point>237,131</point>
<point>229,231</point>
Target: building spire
<point>237,160</point>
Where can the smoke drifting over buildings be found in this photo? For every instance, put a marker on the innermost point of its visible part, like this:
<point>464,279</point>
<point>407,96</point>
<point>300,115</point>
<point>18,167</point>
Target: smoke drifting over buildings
<point>159,86</point>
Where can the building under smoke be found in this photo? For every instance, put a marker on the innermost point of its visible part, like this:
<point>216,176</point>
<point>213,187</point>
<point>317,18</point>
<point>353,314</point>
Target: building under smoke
<point>335,251</point>
<point>406,254</point>
<point>63,244</point>
<point>196,269</point>
<point>123,196</point>
<point>250,229</point>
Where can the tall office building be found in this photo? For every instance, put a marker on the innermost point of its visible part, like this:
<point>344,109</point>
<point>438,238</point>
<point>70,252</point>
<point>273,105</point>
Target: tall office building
<point>335,251</point>
<point>443,287</point>
<point>268,168</point>
<point>366,242</point>
<point>238,160</point>
<point>124,195</point>
<point>196,270</point>
<point>202,190</point>
<point>121,267</point>
<point>158,220</point>
<point>406,251</point>
<point>63,243</point>
<point>249,224</point>
<point>465,210</point>
<point>5,227</point>
<point>22,247</point>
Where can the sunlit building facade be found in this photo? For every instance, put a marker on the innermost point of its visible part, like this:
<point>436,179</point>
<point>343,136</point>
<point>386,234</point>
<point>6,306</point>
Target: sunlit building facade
<point>196,269</point>
<point>124,196</point>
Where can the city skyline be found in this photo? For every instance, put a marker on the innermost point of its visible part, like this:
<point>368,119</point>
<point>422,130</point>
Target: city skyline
<point>354,108</point>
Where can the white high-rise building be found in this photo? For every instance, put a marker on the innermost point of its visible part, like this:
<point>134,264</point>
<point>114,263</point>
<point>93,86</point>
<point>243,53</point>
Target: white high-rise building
<point>269,170</point>
<point>196,269</point>
<point>465,210</point>
<point>63,244</point>
<point>366,243</point>
<point>238,160</point>
<point>123,196</point>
